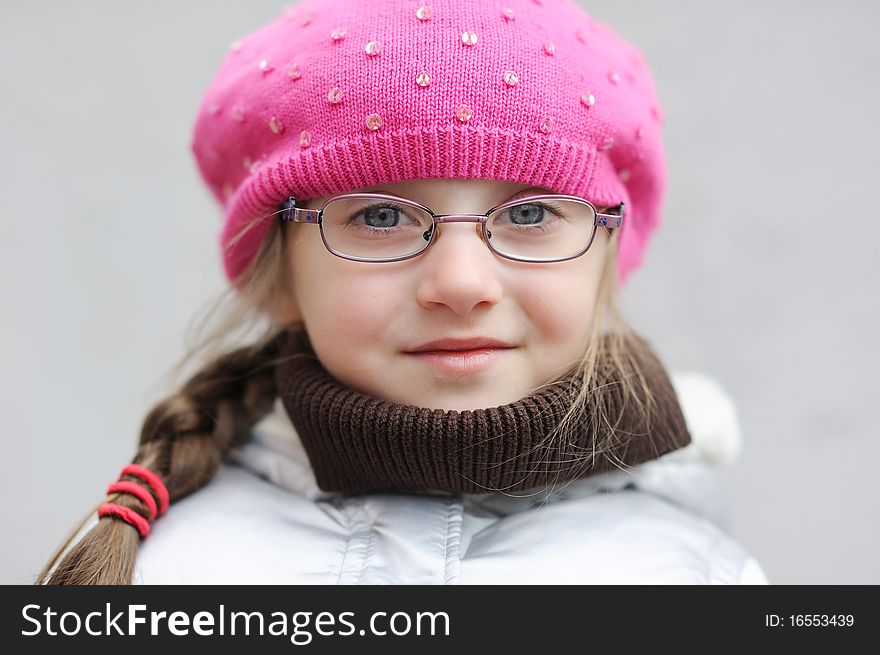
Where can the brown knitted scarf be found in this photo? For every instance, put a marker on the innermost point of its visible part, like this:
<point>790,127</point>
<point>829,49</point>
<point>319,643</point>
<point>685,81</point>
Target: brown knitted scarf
<point>359,443</point>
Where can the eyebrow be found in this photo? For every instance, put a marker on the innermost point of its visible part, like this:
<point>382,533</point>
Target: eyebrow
<point>536,190</point>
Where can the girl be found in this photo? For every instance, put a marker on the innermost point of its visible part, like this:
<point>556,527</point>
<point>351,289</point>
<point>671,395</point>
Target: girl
<point>430,210</point>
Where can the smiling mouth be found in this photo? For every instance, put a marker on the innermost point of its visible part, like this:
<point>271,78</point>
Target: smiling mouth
<point>469,361</point>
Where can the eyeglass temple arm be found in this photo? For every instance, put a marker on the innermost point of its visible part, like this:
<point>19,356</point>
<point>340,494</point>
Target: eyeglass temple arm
<point>612,220</point>
<point>290,212</point>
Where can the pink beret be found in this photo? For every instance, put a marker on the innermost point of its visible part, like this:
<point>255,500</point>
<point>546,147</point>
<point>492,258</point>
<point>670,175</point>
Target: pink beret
<point>336,95</point>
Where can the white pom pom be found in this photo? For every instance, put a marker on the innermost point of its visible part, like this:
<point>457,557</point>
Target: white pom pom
<point>711,417</point>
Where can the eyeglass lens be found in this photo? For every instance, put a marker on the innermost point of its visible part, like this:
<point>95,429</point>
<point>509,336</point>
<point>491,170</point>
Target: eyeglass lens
<point>387,229</point>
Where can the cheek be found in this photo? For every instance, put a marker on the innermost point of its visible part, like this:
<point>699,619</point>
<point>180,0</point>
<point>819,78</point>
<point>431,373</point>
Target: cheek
<point>560,303</point>
<point>347,308</point>
<point>352,308</point>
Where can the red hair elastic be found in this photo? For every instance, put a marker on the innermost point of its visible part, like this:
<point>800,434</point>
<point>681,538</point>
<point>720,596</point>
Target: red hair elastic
<point>133,488</point>
<point>142,493</point>
<point>152,480</point>
<point>126,514</point>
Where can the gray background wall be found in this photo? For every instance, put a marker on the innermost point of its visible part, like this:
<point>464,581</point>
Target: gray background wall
<point>763,274</point>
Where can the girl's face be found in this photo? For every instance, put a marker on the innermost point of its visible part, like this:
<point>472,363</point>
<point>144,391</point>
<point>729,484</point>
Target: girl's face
<point>365,319</point>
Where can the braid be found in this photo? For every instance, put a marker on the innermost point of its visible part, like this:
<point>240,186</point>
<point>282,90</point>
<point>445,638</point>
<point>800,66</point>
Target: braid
<point>184,439</point>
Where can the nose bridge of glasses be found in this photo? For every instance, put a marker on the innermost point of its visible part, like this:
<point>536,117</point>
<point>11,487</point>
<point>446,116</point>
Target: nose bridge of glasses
<point>459,218</point>
<point>478,219</point>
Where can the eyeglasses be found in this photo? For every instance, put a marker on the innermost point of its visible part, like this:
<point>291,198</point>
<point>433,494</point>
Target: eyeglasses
<point>378,227</point>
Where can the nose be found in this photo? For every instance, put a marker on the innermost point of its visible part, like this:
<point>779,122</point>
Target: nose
<point>460,271</point>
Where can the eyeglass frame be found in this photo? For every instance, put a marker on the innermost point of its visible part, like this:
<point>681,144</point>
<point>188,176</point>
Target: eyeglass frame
<point>291,213</point>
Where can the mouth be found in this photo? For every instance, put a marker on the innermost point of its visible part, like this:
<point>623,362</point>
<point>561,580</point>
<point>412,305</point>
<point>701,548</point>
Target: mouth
<point>459,344</point>
<point>468,361</point>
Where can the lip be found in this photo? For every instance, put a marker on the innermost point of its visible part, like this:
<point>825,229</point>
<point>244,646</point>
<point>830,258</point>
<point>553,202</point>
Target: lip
<point>462,356</point>
<point>462,361</point>
<point>470,343</point>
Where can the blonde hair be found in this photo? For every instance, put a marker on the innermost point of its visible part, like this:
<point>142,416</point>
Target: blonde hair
<point>185,437</point>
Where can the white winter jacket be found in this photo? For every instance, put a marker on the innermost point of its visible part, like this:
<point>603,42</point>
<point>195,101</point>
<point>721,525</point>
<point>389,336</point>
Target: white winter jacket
<point>264,520</point>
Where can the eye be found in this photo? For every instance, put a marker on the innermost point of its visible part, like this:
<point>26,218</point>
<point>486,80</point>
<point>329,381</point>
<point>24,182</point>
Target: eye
<point>526,214</point>
<point>381,216</point>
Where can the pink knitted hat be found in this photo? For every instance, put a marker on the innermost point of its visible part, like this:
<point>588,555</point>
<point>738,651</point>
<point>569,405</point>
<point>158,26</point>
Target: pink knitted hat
<point>337,95</point>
